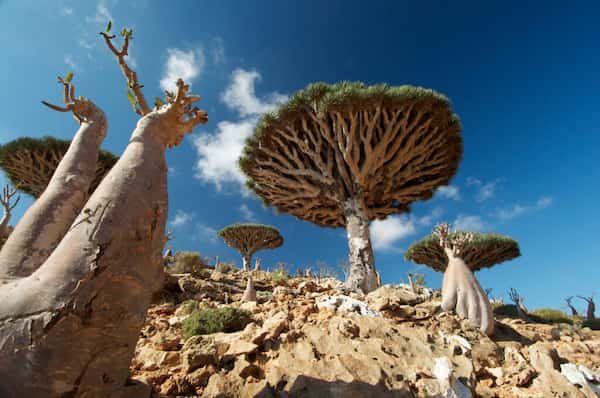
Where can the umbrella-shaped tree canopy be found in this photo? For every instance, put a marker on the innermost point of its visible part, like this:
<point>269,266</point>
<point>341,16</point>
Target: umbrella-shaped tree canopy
<point>250,238</point>
<point>29,163</point>
<point>484,250</point>
<point>341,155</point>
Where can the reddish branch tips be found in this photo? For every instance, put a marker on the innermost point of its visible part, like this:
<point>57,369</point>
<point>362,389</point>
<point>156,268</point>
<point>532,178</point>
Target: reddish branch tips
<point>478,250</point>
<point>250,238</point>
<point>386,146</point>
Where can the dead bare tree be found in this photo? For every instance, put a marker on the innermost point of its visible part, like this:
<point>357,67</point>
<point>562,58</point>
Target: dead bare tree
<point>571,307</point>
<point>516,298</point>
<point>5,198</point>
<point>591,307</point>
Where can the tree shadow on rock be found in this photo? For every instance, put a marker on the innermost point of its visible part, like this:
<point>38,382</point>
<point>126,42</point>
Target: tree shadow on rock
<point>504,332</point>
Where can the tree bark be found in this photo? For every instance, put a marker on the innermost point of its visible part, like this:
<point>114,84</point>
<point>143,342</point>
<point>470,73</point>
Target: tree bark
<point>362,263</point>
<point>45,223</point>
<point>462,293</point>
<point>70,328</point>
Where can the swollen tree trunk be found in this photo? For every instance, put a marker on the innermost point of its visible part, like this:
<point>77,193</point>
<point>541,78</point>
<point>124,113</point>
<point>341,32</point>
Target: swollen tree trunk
<point>71,327</point>
<point>362,264</point>
<point>462,293</point>
<point>45,223</point>
<point>246,257</point>
<point>250,292</point>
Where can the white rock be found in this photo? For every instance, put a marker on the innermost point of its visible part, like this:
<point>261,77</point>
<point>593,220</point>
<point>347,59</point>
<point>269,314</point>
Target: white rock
<point>454,338</point>
<point>580,375</point>
<point>345,304</point>
<point>450,386</point>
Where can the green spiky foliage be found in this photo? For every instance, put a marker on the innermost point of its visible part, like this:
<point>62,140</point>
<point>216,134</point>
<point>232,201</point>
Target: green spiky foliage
<point>30,162</point>
<point>485,250</point>
<point>250,238</point>
<point>301,161</point>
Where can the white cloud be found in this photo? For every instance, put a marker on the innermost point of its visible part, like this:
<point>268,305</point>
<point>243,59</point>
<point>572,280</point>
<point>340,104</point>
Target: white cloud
<point>171,171</point>
<point>102,15</point>
<point>518,210</point>
<point>218,51</point>
<point>431,218</point>
<point>83,43</point>
<point>218,153</point>
<point>240,96</point>
<point>473,181</point>
<point>487,191</point>
<point>385,233</point>
<point>449,192</point>
<point>71,63</point>
<point>186,65</point>
<point>204,232</point>
<point>247,214</point>
<point>67,11</point>
<point>468,223</point>
<point>181,218</point>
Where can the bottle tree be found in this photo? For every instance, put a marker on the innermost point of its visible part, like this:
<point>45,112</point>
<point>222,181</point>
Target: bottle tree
<point>250,238</point>
<point>341,155</point>
<point>70,318</point>
<point>458,255</point>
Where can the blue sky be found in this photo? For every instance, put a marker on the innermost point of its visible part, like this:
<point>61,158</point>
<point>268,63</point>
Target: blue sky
<point>522,77</point>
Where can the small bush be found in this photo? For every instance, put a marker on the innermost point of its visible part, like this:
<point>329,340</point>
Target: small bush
<point>550,315</point>
<point>593,324</point>
<point>214,320</point>
<point>506,310</point>
<point>186,263</point>
<point>225,268</point>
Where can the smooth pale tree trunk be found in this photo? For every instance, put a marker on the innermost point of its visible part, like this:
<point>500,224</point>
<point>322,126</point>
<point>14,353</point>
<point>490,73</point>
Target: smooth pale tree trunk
<point>45,223</point>
<point>462,293</point>
<point>4,223</point>
<point>70,328</point>
<point>246,261</point>
<point>362,264</point>
<point>250,292</point>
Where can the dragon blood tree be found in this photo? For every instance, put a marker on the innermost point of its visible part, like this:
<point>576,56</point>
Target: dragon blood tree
<point>30,163</point>
<point>71,313</point>
<point>250,238</point>
<point>458,255</point>
<point>344,154</point>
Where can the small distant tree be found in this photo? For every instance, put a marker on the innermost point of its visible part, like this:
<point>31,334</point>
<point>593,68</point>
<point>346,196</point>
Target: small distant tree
<point>571,307</point>
<point>591,307</point>
<point>5,201</point>
<point>250,238</point>
<point>325,271</point>
<point>518,300</point>
<point>187,262</point>
<point>345,267</point>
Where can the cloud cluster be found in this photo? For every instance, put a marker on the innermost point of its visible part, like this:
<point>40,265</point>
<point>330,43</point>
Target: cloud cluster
<point>385,234</point>
<point>218,152</point>
<point>518,210</point>
<point>449,192</point>
<point>186,65</point>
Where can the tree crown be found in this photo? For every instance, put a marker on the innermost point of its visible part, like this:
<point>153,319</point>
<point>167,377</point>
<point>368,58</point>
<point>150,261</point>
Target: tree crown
<point>29,163</point>
<point>250,238</point>
<point>484,250</point>
<point>387,145</point>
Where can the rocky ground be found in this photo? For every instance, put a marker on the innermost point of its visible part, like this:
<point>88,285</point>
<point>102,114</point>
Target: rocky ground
<point>309,340</point>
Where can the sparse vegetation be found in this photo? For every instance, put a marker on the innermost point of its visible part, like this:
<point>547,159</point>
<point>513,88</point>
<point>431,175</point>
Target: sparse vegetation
<point>550,315</point>
<point>593,324</point>
<point>214,320</point>
<point>224,267</point>
<point>187,262</point>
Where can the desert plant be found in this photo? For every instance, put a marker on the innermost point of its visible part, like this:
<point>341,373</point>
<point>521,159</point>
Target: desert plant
<point>519,301</point>
<point>214,320</point>
<point>250,292</point>
<point>72,311</point>
<point>509,310</point>
<point>459,254</point>
<point>30,163</point>
<point>593,324</point>
<point>187,262</point>
<point>550,315</point>
<point>7,206</point>
<point>571,307</point>
<point>325,271</point>
<point>280,275</point>
<point>250,238</point>
<point>591,307</point>
<point>224,267</point>
<point>341,155</point>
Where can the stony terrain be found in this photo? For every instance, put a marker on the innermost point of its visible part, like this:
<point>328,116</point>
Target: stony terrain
<point>310,340</point>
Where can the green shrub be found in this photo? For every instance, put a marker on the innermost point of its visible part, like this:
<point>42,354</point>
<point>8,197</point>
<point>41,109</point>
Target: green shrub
<point>187,263</point>
<point>279,277</point>
<point>593,324</point>
<point>225,268</point>
<point>550,315</point>
<point>506,310</point>
<point>213,320</point>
